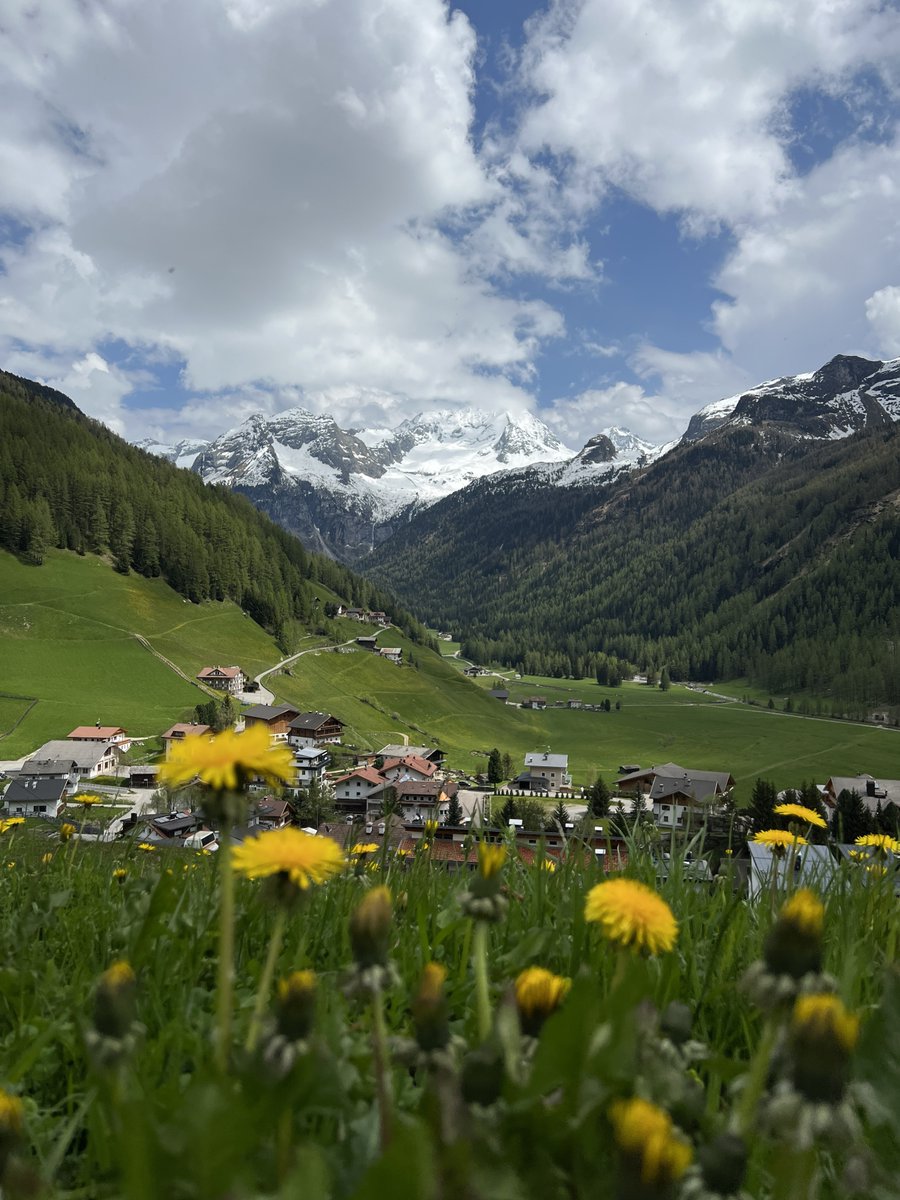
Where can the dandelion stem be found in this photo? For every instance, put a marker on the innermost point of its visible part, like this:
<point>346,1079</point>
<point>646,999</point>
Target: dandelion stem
<point>480,966</point>
<point>265,980</point>
<point>226,948</point>
<point>382,1076</point>
<point>756,1078</point>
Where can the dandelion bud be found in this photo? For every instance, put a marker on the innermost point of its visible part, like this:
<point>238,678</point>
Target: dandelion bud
<point>114,1001</point>
<point>10,1125</point>
<point>429,1009</point>
<point>538,994</point>
<point>66,831</point>
<point>120,874</point>
<point>822,1038</point>
<point>794,944</point>
<point>370,928</point>
<point>491,860</point>
<point>653,1156</point>
<point>296,1007</point>
<point>723,1163</point>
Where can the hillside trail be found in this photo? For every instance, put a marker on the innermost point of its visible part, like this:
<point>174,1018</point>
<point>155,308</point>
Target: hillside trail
<point>264,695</point>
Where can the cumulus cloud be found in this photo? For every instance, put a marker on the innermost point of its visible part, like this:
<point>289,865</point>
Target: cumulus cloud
<point>883,314</point>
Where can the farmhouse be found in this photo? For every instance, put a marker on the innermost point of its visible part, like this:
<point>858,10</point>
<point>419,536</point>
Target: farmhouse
<point>409,767</point>
<point>50,768</point>
<point>275,718</point>
<point>274,814</point>
<point>177,733</point>
<point>35,796</point>
<point>546,772</point>
<point>537,702</point>
<point>223,679</point>
<point>315,729</point>
<point>393,654</point>
<point>431,753</point>
<point>101,733</point>
<point>352,792</point>
<point>424,801</point>
<point>674,792</point>
<point>90,759</point>
<point>873,791</point>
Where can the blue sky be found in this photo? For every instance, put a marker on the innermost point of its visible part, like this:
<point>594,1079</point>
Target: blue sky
<point>603,212</point>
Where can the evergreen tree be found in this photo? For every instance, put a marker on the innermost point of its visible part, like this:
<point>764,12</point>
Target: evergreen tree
<point>762,805</point>
<point>508,812</point>
<point>559,818</point>
<point>533,815</point>
<point>664,680</point>
<point>851,818</point>
<point>507,765</point>
<point>495,767</point>
<point>454,812</point>
<point>598,798</point>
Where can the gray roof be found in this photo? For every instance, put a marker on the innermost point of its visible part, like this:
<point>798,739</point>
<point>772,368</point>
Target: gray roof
<point>687,777</point>
<point>310,753</point>
<point>885,790</point>
<point>811,865</point>
<point>268,712</point>
<point>311,720</point>
<point>35,791</point>
<point>46,767</point>
<point>405,751</point>
<point>83,754</point>
<point>558,761</point>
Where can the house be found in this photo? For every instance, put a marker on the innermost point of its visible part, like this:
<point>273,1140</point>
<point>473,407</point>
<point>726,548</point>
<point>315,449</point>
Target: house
<point>377,617</point>
<point>500,694</point>
<point>419,802</point>
<point>393,654</point>
<point>675,793</point>
<point>143,777</point>
<point>177,733</point>
<point>353,614</point>
<point>311,763</point>
<point>275,718</point>
<point>35,796</point>
<point>473,671</point>
<point>547,772</point>
<point>89,759</point>
<point>101,733</point>
<point>873,791</point>
<point>50,768</point>
<point>537,702</point>
<point>223,679</point>
<point>352,792</point>
<point>368,643</point>
<point>315,729</point>
<point>431,754</point>
<point>409,767</point>
<point>171,826</point>
<point>274,814</point>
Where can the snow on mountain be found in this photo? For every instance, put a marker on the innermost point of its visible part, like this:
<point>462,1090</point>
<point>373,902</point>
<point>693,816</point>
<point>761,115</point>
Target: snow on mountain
<point>183,453</point>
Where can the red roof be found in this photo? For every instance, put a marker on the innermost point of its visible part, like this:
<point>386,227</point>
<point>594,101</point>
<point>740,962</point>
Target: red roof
<point>183,730</point>
<point>99,733</point>
<point>413,762</point>
<point>368,773</point>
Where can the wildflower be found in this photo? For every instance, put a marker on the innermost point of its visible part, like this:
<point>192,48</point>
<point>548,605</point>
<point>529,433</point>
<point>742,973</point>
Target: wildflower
<point>48,857</point>
<point>226,762</point>
<point>483,901</point>
<point>147,847</point>
<point>10,865</point>
<point>779,840</point>
<point>881,843</point>
<point>296,1005</point>
<point>364,848</point>
<point>370,928</point>
<point>120,874</point>
<point>87,799</point>
<point>66,831</point>
<point>11,823</point>
<point>794,944</point>
<point>431,828</point>
<point>302,858</point>
<point>823,1036</point>
<point>632,915</point>
<point>491,859</point>
<point>859,855</point>
<point>646,1137</point>
<point>538,994</point>
<point>114,1001</point>
<point>548,865</point>
<point>429,1009</point>
<point>802,813</point>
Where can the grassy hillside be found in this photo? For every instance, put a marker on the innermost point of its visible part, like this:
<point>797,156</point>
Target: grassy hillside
<point>434,703</point>
<point>67,636</point>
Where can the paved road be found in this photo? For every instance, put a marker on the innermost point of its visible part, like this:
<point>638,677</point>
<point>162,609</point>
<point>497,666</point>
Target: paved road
<point>264,695</point>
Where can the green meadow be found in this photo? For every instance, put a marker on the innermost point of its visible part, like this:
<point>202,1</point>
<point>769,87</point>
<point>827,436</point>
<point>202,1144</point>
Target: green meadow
<point>67,641</point>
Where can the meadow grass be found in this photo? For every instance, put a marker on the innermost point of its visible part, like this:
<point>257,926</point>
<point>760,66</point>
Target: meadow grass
<point>161,1121</point>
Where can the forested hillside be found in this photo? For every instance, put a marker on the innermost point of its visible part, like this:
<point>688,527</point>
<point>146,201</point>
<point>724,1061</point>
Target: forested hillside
<point>746,554</point>
<point>67,481</point>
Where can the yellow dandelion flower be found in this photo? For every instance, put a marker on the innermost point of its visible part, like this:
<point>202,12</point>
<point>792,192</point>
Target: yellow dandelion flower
<point>146,847</point>
<point>805,912</point>
<point>404,852</point>
<point>432,985</point>
<point>11,864</point>
<point>87,799</point>
<point>538,994</point>
<point>491,858</point>
<point>120,874</point>
<point>547,864</point>
<point>11,823</point>
<point>10,1114</point>
<point>297,1004</point>
<point>66,831</point>
<point>225,762</point>
<point>370,927</point>
<point>877,869</point>
<point>882,843</point>
<point>779,840</point>
<point>48,857</point>
<point>303,857</point>
<point>822,1017</point>
<point>645,1134</point>
<point>632,915</point>
<point>119,975</point>
<point>859,855</point>
<point>364,848</point>
<point>802,813</point>
<point>431,828</point>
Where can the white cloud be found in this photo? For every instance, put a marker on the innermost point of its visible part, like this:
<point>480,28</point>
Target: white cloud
<point>883,314</point>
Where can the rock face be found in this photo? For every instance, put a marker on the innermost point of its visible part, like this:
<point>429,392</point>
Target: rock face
<point>845,396</point>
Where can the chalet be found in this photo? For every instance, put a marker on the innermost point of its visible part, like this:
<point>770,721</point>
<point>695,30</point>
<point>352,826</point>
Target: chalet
<point>315,729</point>
<point>114,734</point>
<point>311,763</point>
<point>352,792</point>
<point>419,802</point>
<point>177,733</point>
<point>223,679</point>
<point>393,654</point>
<point>537,702</point>
<point>547,772</point>
<point>274,814</point>
<point>89,759</point>
<point>50,768</point>
<point>368,643</point>
<point>169,828</point>
<point>409,767</point>
<point>473,671</point>
<point>432,754</point>
<point>35,796</point>
<point>353,614</point>
<point>377,617</point>
<point>275,718</point>
<point>674,792</point>
<point>873,791</point>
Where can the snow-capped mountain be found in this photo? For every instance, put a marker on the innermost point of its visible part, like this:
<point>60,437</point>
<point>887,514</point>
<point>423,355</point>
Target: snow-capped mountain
<point>344,491</point>
<point>846,395</point>
<point>183,453</point>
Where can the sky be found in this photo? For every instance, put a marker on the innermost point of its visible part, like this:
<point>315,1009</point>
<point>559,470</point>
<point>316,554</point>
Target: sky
<point>605,212</point>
